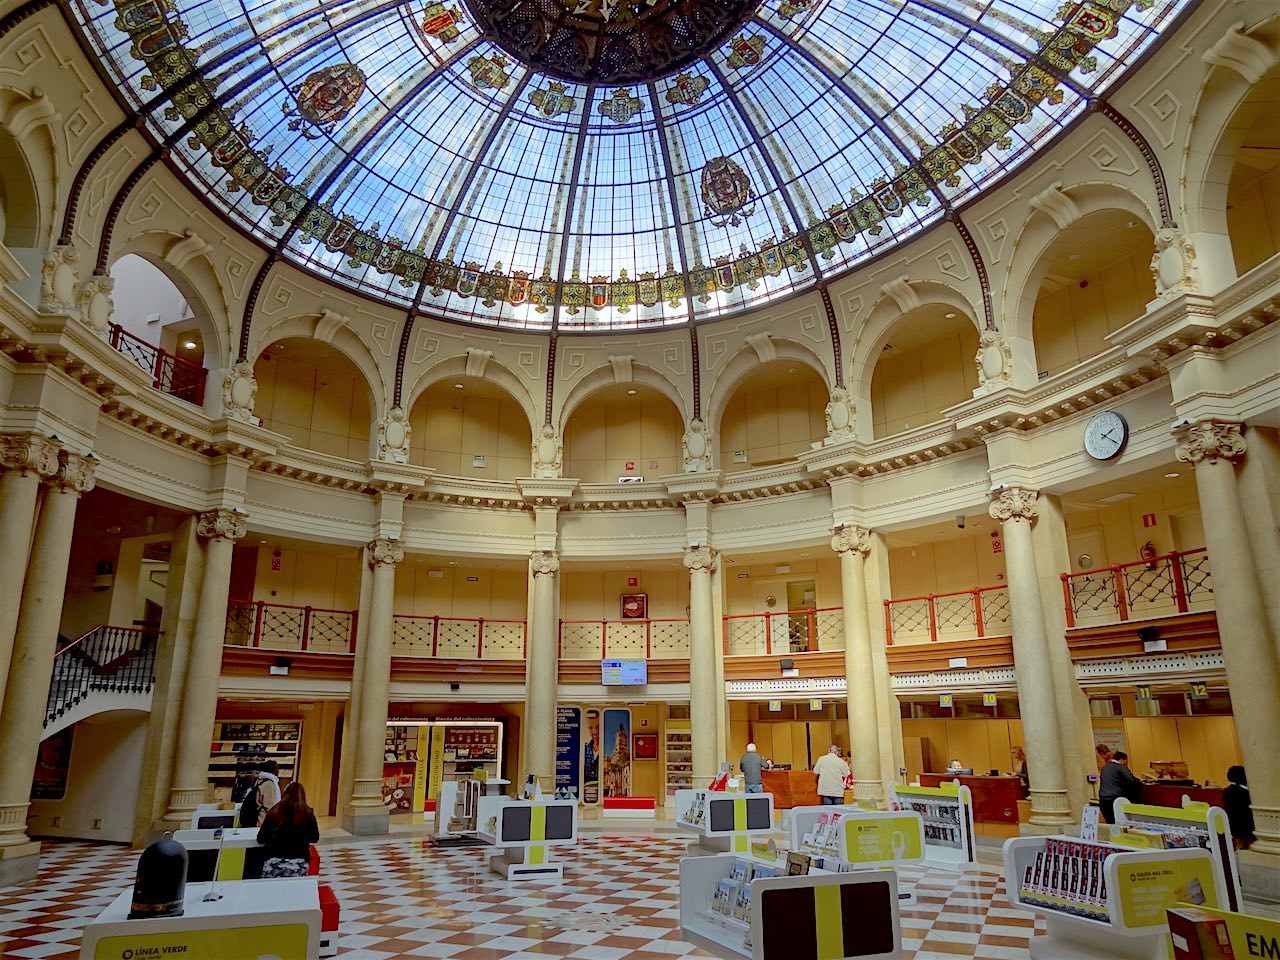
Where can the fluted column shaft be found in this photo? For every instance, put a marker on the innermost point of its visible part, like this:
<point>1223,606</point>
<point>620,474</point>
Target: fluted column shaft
<point>1050,807</point>
<point>701,562</point>
<point>36,641</point>
<point>542,668</point>
<point>853,544</point>
<point>366,813</point>
<point>1213,448</point>
<point>219,530</point>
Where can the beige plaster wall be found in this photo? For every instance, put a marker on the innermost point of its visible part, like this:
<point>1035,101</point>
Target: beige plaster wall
<point>452,426</point>
<point>912,386</point>
<point>952,563</point>
<point>1253,216</point>
<point>613,428</point>
<point>773,415</point>
<point>318,399</point>
<point>495,593</point>
<point>329,579</point>
<point>594,592</point>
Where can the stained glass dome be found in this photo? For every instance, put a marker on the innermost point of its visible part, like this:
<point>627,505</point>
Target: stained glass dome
<point>402,149</point>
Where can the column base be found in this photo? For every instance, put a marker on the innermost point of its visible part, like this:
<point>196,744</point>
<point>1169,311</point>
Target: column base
<point>364,822</point>
<point>1259,875</point>
<point>869,791</point>
<point>19,864</point>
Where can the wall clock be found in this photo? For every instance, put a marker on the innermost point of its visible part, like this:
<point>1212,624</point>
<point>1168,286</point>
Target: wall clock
<point>1105,436</point>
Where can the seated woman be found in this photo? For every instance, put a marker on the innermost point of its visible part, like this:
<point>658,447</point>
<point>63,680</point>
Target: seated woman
<point>287,832</point>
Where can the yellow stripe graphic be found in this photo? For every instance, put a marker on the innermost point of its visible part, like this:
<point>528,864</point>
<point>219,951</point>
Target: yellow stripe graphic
<point>538,823</point>
<point>830,922</point>
<point>231,865</point>
<point>741,843</point>
<point>739,814</point>
<point>537,855</point>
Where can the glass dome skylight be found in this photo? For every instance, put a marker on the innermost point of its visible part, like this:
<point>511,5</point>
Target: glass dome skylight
<point>388,145</point>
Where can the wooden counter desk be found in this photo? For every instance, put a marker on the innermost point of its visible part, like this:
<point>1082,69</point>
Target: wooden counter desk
<point>1169,795</point>
<point>995,799</point>
<point>791,788</point>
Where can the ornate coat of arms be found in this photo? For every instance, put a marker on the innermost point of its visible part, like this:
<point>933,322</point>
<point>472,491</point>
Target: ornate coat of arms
<point>441,22</point>
<point>621,107</point>
<point>489,73</point>
<point>726,192</point>
<point>552,101</point>
<point>687,89</point>
<point>324,98</point>
<point>789,8</point>
<point>746,52</point>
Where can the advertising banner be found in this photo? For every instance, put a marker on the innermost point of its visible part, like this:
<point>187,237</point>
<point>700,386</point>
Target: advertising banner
<point>1199,933</point>
<point>591,750</point>
<point>569,750</point>
<point>880,839</point>
<point>420,772</point>
<point>286,942</point>
<point>616,776</point>
<point>1147,888</point>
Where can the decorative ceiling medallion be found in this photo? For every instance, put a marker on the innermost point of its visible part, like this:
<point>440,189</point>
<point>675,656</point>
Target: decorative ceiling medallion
<point>621,107</point>
<point>441,22</point>
<point>324,98</point>
<point>609,41</point>
<point>552,100</point>
<point>790,8</point>
<point>746,51</point>
<point>726,191</point>
<point>489,73</point>
<point>687,89</point>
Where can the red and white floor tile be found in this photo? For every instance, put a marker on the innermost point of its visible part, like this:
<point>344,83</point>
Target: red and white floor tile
<point>402,898</point>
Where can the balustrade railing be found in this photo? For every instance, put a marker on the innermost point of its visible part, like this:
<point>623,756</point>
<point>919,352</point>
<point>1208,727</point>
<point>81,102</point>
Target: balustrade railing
<point>657,639</point>
<point>282,626</point>
<point>170,373</point>
<point>459,638</point>
<point>109,659</point>
<point>784,631</point>
<point>1172,583</point>
<point>957,615</point>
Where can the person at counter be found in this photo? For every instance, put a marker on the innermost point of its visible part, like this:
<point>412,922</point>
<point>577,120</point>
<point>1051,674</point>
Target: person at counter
<point>751,764</point>
<point>955,766</point>
<point>1117,780</point>
<point>1239,810</point>
<point>1020,770</point>
<point>287,833</point>
<point>832,771</point>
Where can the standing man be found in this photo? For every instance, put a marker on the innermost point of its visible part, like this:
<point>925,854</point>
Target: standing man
<point>832,771</point>
<point>1117,780</point>
<point>751,764</point>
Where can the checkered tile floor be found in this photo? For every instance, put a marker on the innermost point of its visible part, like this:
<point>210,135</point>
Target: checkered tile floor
<point>402,898</point>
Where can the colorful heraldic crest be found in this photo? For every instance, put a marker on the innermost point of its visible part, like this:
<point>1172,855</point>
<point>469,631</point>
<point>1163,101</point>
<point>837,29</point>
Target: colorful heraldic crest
<point>746,51</point>
<point>726,192</point>
<point>791,8</point>
<point>687,89</point>
<point>489,73</point>
<point>552,100</point>
<point>621,107</point>
<point>441,22</point>
<point>324,98</point>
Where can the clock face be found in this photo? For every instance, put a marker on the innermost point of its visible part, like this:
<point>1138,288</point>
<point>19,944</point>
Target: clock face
<point>1105,436</point>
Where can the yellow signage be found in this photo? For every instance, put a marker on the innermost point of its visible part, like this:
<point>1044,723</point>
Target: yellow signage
<point>945,700</point>
<point>883,839</point>
<point>988,699</point>
<point>775,706</point>
<point>420,772</point>
<point>1148,887</point>
<point>1250,936</point>
<point>285,942</point>
<point>815,704</point>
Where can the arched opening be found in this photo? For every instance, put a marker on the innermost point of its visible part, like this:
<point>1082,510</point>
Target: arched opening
<point>1096,278</point>
<point>150,307</point>
<point>316,396</point>
<point>925,366</point>
<point>469,427</point>
<point>776,413</point>
<point>19,200</point>
<point>621,424</point>
<point>1253,194</point>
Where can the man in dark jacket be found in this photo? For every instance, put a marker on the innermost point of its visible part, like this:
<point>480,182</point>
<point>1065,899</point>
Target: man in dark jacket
<point>1116,780</point>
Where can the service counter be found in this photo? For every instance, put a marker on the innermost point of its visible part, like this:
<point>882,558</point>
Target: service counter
<point>995,799</point>
<point>791,788</point>
<point>1169,795</point>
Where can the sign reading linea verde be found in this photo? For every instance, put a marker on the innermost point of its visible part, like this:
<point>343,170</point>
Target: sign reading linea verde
<point>879,839</point>
<point>283,942</point>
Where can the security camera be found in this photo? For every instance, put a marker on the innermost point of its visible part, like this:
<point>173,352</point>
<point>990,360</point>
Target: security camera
<point>960,520</point>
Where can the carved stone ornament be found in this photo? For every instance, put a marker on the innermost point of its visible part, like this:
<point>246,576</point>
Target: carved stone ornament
<point>701,559</point>
<point>852,539</point>
<point>994,360</point>
<point>696,445</point>
<point>95,303</point>
<point>75,472</point>
<point>221,524</point>
<point>239,389</point>
<point>384,551</point>
<point>29,453</point>
<point>1014,503</point>
<point>1211,440</point>
<point>59,275</point>
<point>841,411</point>
<point>544,563</point>
<point>393,437</point>
<point>548,454</point>
<point>1173,265</point>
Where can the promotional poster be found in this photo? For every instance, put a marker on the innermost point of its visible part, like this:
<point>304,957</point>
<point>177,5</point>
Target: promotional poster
<point>591,759</point>
<point>616,775</point>
<point>569,749</point>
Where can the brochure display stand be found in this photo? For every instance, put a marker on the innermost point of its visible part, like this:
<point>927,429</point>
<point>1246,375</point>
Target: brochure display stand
<point>525,829</point>
<point>947,811</point>
<point>252,918</point>
<point>1101,901</point>
<point>1195,825</point>
<point>737,907</point>
<point>235,855</point>
<point>842,839</point>
<point>211,815</point>
<point>725,822</point>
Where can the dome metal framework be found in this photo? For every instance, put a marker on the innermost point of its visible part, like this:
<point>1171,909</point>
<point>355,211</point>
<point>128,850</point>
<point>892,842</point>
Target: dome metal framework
<point>389,146</point>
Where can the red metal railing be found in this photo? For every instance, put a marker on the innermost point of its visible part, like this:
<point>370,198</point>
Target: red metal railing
<point>459,638</point>
<point>784,631</point>
<point>169,373</point>
<point>283,626</point>
<point>1168,584</point>
<point>957,615</point>
<point>657,639</point>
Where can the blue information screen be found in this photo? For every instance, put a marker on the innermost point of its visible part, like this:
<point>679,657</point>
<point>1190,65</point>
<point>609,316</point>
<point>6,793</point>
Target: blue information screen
<point>624,673</point>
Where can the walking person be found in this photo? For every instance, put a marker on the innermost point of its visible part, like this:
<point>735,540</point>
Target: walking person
<point>1117,780</point>
<point>287,832</point>
<point>751,765</point>
<point>262,796</point>
<point>832,771</point>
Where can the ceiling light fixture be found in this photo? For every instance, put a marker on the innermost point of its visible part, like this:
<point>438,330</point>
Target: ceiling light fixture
<point>457,386</point>
<point>1172,475</point>
<point>631,393</point>
<point>190,345</point>
<point>1130,224</point>
<point>950,316</point>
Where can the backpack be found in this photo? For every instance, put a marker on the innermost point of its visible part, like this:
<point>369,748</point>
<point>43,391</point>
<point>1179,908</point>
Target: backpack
<point>251,806</point>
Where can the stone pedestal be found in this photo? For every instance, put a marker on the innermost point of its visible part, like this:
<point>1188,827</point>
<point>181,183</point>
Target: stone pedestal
<point>853,544</point>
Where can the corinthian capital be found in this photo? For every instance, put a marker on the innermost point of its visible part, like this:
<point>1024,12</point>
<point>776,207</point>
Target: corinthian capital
<point>852,539</point>
<point>1014,503</point>
<point>384,550</point>
<point>701,558</point>
<point>75,472</point>
<point>29,453</point>
<point>544,563</point>
<point>1210,440</point>
<point>221,524</point>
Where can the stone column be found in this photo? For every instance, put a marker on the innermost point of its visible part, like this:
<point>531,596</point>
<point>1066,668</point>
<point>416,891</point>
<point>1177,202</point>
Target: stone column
<point>31,665</point>
<point>701,561</point>
<point>219,529</point>
<point>351,717</point>
<point>24,459</point>
<point>365,814</point>
<point>853,544</point>
<point>1015,508</point>
<point>1259,479</point>
<point>542,668</point>
<point>1213,447</point>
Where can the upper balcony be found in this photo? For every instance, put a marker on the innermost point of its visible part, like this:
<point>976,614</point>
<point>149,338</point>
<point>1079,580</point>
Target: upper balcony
<point>170,373</point>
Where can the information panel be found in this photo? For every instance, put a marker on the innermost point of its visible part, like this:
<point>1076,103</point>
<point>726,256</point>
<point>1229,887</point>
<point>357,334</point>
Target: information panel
<point>624,673</point>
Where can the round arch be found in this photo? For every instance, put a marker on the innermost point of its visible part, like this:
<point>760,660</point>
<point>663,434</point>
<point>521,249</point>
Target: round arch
<point>603,376</point>
<point>345,341</point>
<point>619,422</point>
<point>495,372</point>
<point>22,219</point>
<point>743,363</point>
